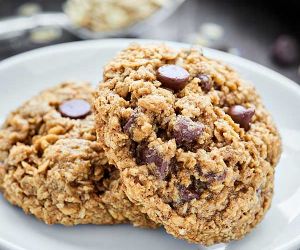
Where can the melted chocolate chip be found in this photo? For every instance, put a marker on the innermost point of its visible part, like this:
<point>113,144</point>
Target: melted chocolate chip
<point>75,109</point>
<point>193,191</point>
<point>199,186</point>
<point>215,176</point>
<point>241,115</point>
<point>146,155</point>
<point>205,82</point>
<point>186,194</point>
<point>174,166</point>
<point>128,125</point>
<point>187,131</point>
<point>173,77</point>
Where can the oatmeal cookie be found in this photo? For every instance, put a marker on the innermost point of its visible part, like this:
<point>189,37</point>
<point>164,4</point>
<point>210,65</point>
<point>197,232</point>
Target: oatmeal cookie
<point>195,146</point>
<point>53,167</point>
<point>110,15</point>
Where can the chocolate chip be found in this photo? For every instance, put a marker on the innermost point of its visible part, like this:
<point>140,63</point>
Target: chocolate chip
<point>186,130</point>
<point>128,125</point>
<point>205,82</point>
<point>174,166</point>
<point>215,176</point>
<point>75,109</point>
<point>193,191</point>
<point>162,133</point>
<point>186,194</point>
<point>241,115</point>
<point>285,50</point>
<point>146,155</point>
<point>162,169</point>
<point>173,77</point>
<point>210,176</point>
<point>199,186</point>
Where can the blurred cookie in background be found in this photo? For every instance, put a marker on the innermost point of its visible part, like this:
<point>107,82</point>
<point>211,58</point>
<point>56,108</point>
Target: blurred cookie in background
<point>99,15</point>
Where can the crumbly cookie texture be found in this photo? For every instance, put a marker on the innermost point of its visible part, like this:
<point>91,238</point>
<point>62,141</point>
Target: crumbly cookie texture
<point>53,167</point>
<point>195,146</point>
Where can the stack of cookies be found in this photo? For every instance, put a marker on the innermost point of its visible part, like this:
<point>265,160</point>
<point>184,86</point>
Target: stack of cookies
<point>170,138</point>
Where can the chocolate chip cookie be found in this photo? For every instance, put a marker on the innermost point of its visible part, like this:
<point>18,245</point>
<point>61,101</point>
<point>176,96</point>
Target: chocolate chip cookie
<point>195,146</point>
<point>53,167</point>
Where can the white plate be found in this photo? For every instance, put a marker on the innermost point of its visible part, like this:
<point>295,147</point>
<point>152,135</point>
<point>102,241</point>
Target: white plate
<point>24,75</point>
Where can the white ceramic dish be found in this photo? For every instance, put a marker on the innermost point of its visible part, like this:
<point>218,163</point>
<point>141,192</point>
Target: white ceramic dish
<point>24,75</point>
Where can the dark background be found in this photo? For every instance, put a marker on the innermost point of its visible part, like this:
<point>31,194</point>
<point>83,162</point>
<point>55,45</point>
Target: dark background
<point>251,26</point>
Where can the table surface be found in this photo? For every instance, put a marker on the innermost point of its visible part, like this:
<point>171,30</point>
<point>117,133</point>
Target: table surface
<point>250,26</point>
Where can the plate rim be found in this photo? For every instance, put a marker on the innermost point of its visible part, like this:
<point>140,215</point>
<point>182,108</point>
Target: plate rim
<point>283,81</point>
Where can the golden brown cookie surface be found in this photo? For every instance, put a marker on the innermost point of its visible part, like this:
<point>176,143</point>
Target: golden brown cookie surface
<point>53,167</point>
<point>195,146</point>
